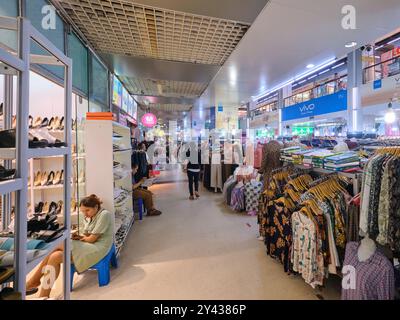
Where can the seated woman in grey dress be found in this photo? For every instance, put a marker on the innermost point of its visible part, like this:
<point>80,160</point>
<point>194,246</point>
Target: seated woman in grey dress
<point>88,247</point>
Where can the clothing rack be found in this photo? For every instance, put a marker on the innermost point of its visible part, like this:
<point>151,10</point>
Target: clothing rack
<point>284,168</point>
<point>323,179</point>
<point>299,173</point>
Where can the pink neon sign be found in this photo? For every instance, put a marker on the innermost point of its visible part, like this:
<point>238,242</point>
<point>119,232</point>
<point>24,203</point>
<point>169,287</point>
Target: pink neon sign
<point>149,120</point>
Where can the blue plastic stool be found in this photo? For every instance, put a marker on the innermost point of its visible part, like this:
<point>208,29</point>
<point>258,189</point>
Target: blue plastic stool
<point>102,267</point>
<point>141,207</point>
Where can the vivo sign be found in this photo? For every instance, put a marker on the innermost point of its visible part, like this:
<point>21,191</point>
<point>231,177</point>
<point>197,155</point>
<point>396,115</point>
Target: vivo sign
<point>332,103</point>
<point>307,108</point>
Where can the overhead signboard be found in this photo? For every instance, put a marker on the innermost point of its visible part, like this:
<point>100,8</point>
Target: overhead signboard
<point>117,93</point>
<point>328,104</point>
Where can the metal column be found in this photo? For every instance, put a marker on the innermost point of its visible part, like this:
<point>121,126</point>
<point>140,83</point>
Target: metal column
<point>22,159</point>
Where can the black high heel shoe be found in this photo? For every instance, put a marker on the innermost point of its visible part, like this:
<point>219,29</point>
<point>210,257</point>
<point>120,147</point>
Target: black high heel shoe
<point>61,124</point>
<point>45,123</point>
<point>50,178</point>
<point>51,124</point>
<point>39,207</point>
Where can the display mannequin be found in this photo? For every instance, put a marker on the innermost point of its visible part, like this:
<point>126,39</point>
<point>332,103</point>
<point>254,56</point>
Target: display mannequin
<point>366,249</point>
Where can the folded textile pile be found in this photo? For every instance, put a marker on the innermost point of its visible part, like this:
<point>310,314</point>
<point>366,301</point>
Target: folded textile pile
<point>298,156</point>
<point>342,162</point>
<point>287,153</point>
<point>316,157</point>
<point>35,249</point>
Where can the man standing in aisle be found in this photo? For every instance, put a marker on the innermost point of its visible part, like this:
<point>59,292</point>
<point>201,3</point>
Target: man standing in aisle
<point>146,195</point>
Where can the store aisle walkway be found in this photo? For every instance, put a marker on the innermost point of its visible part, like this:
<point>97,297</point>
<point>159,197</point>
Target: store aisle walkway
<point>195,250</point>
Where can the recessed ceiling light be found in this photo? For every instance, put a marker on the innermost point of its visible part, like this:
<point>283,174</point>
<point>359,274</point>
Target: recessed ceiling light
<point>309,66</point>
<point>351,44</point>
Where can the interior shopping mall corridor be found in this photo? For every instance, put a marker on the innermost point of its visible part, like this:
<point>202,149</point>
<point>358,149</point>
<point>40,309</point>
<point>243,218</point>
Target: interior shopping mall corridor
<point>196,250</point>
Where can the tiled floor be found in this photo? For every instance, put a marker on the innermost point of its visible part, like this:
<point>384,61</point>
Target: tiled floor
<point>196,250</point>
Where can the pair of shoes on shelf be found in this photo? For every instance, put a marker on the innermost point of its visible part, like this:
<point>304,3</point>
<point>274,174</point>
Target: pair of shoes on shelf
<point>117,135</point>
<point>55,123</point>
<point>6,174</point>
<point>43,134</point>
<point>44,179</point>
<point>37,139</point>
<point>52,208</point>
<point>117,165</point>
<point>119,147</point>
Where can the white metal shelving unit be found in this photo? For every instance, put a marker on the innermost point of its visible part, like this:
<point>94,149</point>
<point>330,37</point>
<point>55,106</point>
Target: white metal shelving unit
<point>100,158</point>
<point>21,60</point>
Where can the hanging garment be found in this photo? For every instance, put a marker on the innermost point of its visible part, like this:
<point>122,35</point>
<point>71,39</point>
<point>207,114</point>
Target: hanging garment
<point>229,190</point>
<point>253,192</point>
<point>207,176</point>
<point>227,171</point>
<point>394,210</point>
<point>334,262</point>
<point>374,278</point>
<point>238,199</point>
<point>384,204</point>
<point>216,176</point>
<point>230,180</point>
<point>250,154</point>
<point>258,155</point>
<point>352,223</point>
<point>373,206</point>
<point>305,257</point>
<point>278,236</point>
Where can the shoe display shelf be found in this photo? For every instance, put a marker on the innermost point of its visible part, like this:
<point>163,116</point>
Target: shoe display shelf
<point>16,63</point>
<point>107,143</point>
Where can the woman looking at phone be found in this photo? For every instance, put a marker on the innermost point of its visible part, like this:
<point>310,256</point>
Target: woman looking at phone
<point>93,243</point>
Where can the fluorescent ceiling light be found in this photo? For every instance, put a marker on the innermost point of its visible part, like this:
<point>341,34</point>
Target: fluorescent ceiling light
<point>312,77</point>
<point>379,47</point>
<point>351,44</point>
<point>339,65</point>
<point>296,78</point>
<point>309,66</point>
<point>322,72</point>
<point>394,40</point>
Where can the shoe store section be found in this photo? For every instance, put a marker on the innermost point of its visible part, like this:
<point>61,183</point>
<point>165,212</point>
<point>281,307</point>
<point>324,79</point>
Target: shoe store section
<point>272,151</point>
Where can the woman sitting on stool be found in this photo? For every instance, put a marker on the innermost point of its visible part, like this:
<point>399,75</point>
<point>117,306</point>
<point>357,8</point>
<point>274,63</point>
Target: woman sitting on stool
<point>93,243</point>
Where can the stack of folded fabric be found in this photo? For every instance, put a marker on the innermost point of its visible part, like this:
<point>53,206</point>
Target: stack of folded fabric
<point>342,162</point>
<point>298,156</point>
<point>287,153</point>
<point>318,158</point>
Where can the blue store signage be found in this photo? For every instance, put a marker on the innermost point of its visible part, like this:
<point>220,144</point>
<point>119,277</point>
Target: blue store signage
<point>332,103</point>
<point>377,84</point>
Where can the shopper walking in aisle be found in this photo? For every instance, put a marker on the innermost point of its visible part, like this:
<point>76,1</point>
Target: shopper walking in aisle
<point>89,246</point>
<point>146,195</point>
<point>193,169</point>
